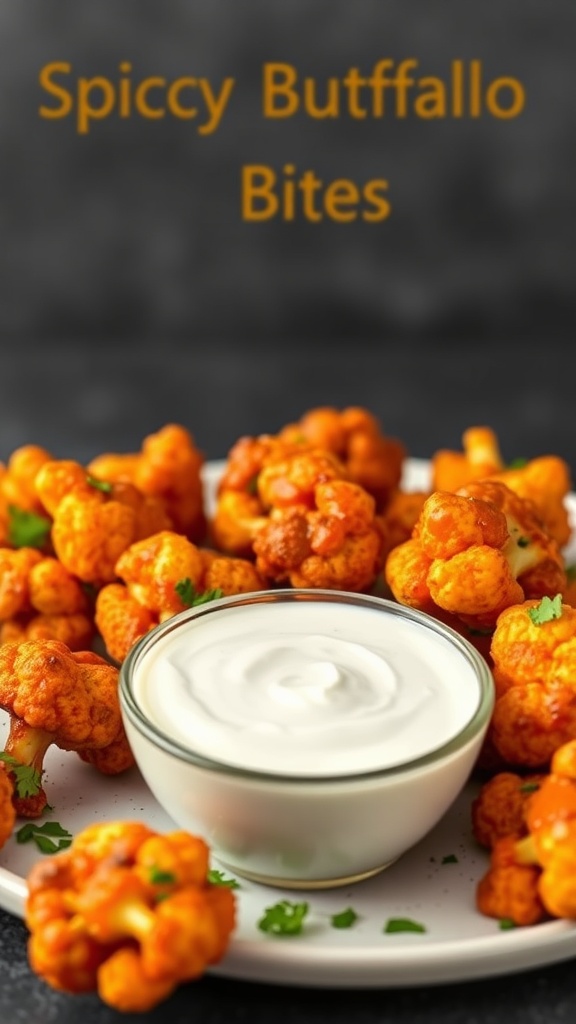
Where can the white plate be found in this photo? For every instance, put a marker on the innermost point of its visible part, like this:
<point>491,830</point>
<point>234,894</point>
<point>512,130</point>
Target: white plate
<point>459,944</point>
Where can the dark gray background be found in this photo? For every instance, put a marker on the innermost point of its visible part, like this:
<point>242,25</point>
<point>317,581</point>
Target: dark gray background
<point>131,292</point>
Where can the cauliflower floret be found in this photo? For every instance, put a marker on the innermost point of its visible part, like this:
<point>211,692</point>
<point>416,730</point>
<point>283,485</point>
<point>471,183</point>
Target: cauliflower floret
<point>128,913</point>
<point>336,545</point>
<point>54,695</point>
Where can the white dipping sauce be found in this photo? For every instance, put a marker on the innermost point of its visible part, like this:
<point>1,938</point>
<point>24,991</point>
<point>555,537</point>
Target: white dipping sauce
<point>306,687</point>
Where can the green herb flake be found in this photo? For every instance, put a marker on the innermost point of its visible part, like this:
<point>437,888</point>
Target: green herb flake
<point>216,877</point>
<point>450,858</point>
<point>27,529</point>
<point>518,463</point>
<point>44,836</point>
<point>523,542</point>
<point>571,572</point>
<point>506,924</point>
<point>27,779</point>
<point>191,597</point>
<point>403,924</point>
<point>99,485</point>
<point>547,609</point>
<point>345,919</point>
<point>529,787</point>
<point>159,877</point>
<point>252,486</point>
<point>284,918</point>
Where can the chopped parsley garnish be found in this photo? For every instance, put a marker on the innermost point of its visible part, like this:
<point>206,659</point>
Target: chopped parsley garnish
<point>284,918</point>
<point>529,787</point>
<point>403,924</point>
<point>191,597</point>
<point>27,779</point>
<point>27,529</point>
<point>159,877</point>
<point>547,609</point>
<point>505,924</point>
<point>571,572</point>
<point>523,542</point>
<point>450,858</point>
<point>518,463</point>
<point>345,919</point>
<point>44,836</point>
<point>99,485</point>
<point>216,877</point>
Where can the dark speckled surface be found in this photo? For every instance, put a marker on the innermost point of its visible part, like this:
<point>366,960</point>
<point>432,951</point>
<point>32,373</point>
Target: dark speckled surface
<point>132,294</point>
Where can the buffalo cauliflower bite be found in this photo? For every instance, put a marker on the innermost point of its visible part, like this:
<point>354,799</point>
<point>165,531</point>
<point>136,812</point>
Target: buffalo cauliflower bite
<point>159,577</point>
<point>127,912</point>
<point>55,696</point>
<point>539,866</point>
<point>533,655</point>
<point>92,528</point>
<point>480,457</point>
<point>261,474</point>
<point>544,480</point>
<point>39,598</point>
<point>168,468</point>
<point>509,890</point>
<point>473,554</point>
<point>18,481</point>
<point>499,809</point>
<point>354,435</point>
<point>336,544</point>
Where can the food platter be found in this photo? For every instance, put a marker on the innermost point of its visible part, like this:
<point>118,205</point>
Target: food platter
<point>434,885</point>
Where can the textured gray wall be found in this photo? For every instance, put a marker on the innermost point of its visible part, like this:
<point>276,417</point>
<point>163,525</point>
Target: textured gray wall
<point>131,291</point>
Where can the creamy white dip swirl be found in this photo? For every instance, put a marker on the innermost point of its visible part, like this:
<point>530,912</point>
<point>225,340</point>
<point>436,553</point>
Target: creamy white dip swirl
<point>306,688</point>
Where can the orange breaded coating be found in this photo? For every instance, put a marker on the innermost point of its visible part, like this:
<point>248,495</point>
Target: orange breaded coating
<point>58,478</point>
<point>337,545</point>
<point>261,473</point>
<point>237,519</point>
<point>523,650</point>
<point>76,630</point>
<point>91,530</point>
<point>292,481</point>
<point>161,576</point>
<point>547,849</point>
<point>129,914</point>
<point>500,807</point>
<point>535,554</point>
<point>40,599</point>
<point>401,515</point>
<point>530,722</point>
<point>152,567</point>
<point>168,467</point>
<point>54,695</point>
<point>249,455</point>
<point>371,458</point>
<point>15,568</point>
<point>474,554</point>
<point>533,655</point>
<point>546,482</point>
<point>7,809</point>
<point>479,458</point>
<point>509,890</point>
<point>90,534</point>
<point>17,483</point>
<point>229,575</point>
<point>121,619</point>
